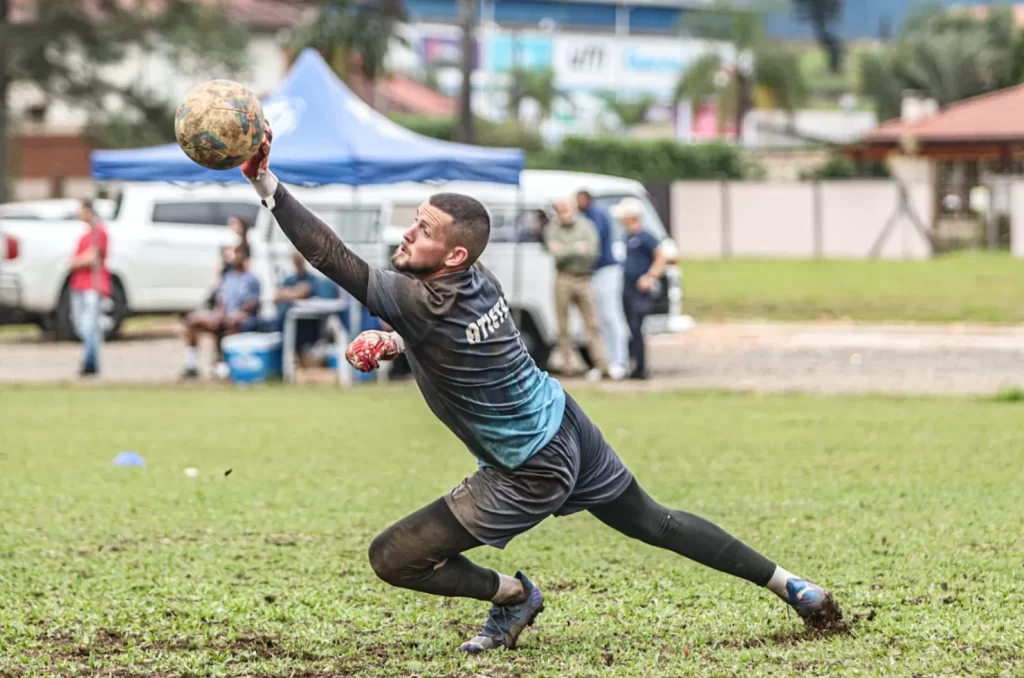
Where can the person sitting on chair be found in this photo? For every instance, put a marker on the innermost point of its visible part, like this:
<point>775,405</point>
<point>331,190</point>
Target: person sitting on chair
<point>236,309</point>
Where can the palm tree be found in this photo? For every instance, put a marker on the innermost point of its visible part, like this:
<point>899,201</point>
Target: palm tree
<point>756,64</point>
<point>539,85</point>
<point>948,57</point>
<point>354,36</point>
<point>822,15</point>
<point>4,49</point>
<point>467,17</point>
<point>629,112</point>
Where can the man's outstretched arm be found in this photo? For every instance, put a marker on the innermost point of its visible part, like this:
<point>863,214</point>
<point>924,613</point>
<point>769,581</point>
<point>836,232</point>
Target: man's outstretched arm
<point>311,236</point>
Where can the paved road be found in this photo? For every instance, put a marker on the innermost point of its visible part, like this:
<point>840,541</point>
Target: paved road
<point>832,358</point>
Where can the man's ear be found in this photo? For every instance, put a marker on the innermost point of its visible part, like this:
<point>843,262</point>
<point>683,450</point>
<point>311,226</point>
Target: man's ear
<point>457,256</point>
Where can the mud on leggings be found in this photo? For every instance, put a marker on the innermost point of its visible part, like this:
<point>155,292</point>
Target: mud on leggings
<point>635,514</point>
<point>423,551</point>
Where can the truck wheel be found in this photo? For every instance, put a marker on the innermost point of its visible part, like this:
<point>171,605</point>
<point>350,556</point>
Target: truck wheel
<point>115,310</point>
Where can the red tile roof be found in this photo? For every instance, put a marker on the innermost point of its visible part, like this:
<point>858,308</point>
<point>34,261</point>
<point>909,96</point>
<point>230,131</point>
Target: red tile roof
<point>415,97</point>
<point>996,116</point>
<point>269,14</point>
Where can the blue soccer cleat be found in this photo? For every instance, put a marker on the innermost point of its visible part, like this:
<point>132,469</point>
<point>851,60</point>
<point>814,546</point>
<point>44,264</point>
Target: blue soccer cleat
<point>506,622</point>
<point>814,604</point>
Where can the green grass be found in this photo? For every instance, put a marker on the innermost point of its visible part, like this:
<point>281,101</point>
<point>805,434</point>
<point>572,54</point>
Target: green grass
<point>967,287</point>
<point>135,325</point>
<point>911,510</point>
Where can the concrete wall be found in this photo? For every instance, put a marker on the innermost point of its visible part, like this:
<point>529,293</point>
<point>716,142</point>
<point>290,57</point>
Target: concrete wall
<point>836,219</point>
<point>1017,219</point>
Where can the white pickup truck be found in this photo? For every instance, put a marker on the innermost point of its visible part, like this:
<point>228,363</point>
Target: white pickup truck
<point>165,244</point>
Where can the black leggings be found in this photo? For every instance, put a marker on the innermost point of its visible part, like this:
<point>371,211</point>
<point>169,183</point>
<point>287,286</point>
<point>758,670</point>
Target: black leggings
<point>423,551</point>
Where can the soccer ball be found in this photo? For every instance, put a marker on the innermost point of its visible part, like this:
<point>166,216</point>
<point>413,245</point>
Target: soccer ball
<point>220,124</point>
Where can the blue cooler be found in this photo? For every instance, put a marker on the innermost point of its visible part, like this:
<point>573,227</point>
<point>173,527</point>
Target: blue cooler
<point>253,357</point>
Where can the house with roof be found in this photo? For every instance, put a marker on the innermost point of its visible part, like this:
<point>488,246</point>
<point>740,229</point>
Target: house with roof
<point>970,152</point>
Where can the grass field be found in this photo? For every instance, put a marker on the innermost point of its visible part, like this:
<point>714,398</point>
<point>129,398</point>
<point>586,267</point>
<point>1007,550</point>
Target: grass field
<point>964,287</point>
<point>911,510</point>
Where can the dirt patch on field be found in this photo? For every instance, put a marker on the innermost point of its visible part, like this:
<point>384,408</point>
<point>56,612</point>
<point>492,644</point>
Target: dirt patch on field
<point>787,639</point>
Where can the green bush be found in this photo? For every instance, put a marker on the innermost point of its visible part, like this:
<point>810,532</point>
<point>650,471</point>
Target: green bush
<point>841,167</point>
<point>488,133</point>
<point>650,161</point>
<point>445,129</point>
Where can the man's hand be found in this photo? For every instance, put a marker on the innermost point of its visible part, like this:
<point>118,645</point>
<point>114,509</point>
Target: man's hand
<point>645,283</point>
<point>259,163</point>
<point>372,346</point>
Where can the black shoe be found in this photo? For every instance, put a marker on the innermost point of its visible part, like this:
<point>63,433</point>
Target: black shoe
<point>189,373</point>
<point>638,376</point>
<point>88,371</point>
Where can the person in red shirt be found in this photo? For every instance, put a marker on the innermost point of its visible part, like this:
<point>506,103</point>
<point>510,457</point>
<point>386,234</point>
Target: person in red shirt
<point>90,285</point>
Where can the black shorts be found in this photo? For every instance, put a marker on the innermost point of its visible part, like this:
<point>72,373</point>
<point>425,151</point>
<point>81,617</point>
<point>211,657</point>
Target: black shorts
<point>577,470</point>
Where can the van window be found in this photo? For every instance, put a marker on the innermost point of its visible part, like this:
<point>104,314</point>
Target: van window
<point>503,220</point>
<point>352,224</point>
<point>201,213</point>
<point>204,213</point>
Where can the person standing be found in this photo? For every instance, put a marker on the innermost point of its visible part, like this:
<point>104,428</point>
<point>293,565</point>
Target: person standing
<point>645,264</point>
<point>90,285</point>
<point>607,286</point>
<point>572,241</point>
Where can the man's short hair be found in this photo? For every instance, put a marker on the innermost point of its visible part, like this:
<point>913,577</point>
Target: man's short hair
<point>88,204</point>
<point>471,224</point>
<point>585,193</point>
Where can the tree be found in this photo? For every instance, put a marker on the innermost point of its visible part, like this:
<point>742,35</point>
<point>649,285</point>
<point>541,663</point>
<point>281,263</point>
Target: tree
<point>822,15</point>
<point>351,34</point>
<point>539,85</point>
<point>70,49</point>
<point>945,56</point>
<point>4,50</point>
<point>467,17</point>
<point>755,63</point>
<point>629,111</point>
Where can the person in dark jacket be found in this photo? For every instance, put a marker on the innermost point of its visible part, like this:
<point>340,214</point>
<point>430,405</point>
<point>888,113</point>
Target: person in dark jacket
<point>645,264</point>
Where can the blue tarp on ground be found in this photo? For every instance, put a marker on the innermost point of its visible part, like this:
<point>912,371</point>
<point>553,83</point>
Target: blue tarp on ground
<point>325,134</point>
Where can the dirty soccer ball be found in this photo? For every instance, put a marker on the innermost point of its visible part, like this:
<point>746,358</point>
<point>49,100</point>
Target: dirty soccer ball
<point>219,124</point>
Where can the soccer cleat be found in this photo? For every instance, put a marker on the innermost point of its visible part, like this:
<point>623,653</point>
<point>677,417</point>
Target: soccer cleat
<point>189,373</point>
<point>814,604</point>
<point>506,622</point>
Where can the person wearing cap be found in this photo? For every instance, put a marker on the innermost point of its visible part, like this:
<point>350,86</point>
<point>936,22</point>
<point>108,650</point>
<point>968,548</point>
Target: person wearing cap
<point>641,274</point>
<point>572,241</point>
<point>607,286</point>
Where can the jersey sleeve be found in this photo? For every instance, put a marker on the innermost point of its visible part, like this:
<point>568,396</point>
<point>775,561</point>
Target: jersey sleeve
<point>402,302</point>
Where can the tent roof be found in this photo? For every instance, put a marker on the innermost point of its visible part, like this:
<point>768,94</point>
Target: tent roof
<point>325,134</point>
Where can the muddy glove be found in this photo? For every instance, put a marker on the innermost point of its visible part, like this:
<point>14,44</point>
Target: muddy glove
<point>369,348</point>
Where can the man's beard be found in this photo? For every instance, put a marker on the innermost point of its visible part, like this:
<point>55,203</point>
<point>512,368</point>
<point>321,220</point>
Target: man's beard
<point>404,265</point>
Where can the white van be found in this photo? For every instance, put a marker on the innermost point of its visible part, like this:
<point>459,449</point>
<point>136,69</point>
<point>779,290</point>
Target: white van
<point>165,243</point>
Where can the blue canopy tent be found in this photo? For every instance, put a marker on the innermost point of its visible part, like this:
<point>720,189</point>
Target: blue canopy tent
<point>325,134</point>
